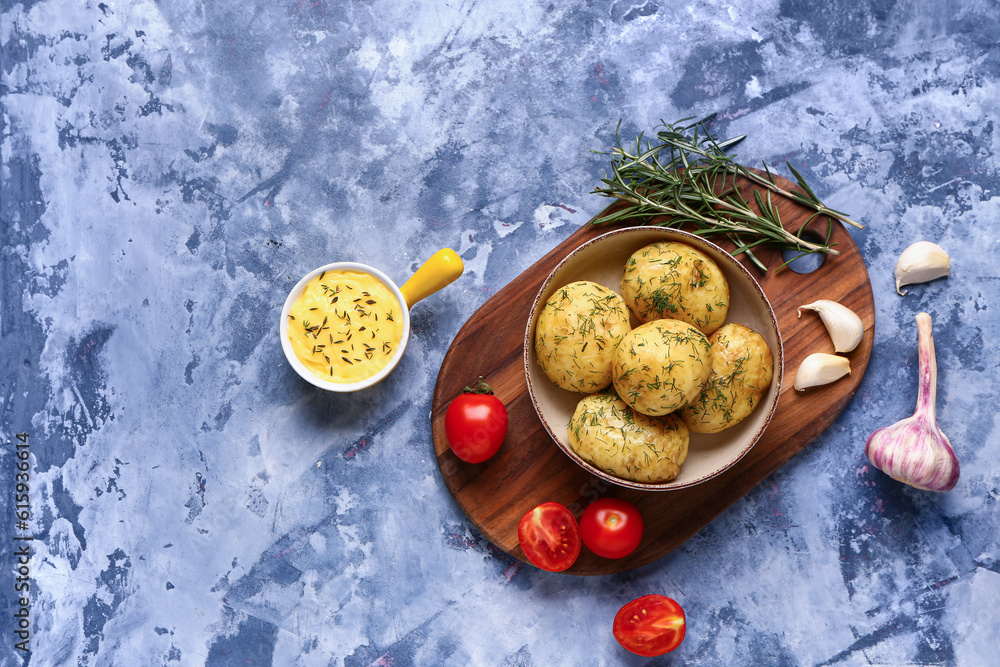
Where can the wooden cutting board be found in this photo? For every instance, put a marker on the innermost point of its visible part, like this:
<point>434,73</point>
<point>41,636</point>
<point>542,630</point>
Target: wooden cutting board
<point>530,468</point>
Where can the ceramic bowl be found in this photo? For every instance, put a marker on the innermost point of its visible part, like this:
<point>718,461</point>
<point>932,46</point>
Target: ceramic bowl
<point>602,260</point>
<point>300,368</point>
<point>440,270</point>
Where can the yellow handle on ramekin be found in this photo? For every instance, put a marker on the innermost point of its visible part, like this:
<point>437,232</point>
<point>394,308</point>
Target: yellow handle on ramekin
<point>442,269</point>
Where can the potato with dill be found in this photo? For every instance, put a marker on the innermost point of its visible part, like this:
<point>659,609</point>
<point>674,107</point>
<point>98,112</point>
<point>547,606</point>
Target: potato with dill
<point>677,281</point>
<point>661,366</point>
<point>578,330</point>
<point>611,436</point>
<point>742,368</point>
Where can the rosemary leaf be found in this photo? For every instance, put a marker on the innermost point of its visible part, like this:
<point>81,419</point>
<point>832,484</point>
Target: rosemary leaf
<point>688,179</point>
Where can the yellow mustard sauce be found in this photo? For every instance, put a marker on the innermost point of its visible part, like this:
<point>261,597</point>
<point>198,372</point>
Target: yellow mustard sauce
<point>346,326</point>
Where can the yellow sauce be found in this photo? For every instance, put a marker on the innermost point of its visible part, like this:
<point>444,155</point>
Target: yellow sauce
<point>346,326</point>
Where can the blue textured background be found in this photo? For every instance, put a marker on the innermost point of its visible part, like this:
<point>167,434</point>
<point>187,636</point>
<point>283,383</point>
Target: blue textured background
<point>170,169</point>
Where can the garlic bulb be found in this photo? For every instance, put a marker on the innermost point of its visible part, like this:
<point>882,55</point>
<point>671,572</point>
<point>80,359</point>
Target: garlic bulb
<point>819,368</point>
<point>844,325</point>
<point>914,450</point>
<point>921,262</point>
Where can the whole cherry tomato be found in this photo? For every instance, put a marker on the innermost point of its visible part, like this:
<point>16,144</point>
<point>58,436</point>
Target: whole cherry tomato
<point>550,537</point>
<point>476,424</point>
<point>650,625</point>
<point>611,527</point>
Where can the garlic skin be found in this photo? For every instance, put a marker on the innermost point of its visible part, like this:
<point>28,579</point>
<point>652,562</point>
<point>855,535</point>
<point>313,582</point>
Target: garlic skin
<point>914,450</point>
<point>920,262</point>
<point>843,324</point>
<point>819,369</point>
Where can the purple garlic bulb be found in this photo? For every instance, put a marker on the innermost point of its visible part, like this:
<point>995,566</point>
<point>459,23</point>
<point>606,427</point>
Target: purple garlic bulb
<point>914,450</point>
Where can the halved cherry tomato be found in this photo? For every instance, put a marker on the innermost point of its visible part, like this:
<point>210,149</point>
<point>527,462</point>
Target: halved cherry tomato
<point>550,537</point>
<point>476,424</point>
<point>650,625</point>
<point>611,527</point>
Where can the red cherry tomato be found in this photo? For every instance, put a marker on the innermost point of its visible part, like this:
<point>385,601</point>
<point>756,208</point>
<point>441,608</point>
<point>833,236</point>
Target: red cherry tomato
<point>650,625</point>
<point>550,537</point>
<point>476,424</point>
<point>611,527</point>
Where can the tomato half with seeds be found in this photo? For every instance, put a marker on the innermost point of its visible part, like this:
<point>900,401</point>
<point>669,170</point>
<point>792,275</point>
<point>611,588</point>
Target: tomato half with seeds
<point>651,625</point>
<point>550,537</point>
<point>475,424</point>
<point>611,527</point>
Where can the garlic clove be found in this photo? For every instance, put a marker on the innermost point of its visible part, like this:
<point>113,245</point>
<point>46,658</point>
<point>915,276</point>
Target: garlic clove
<point>920,262</point>
<point>914,450</point>
<point>819,369</point>
<point>843,324</point>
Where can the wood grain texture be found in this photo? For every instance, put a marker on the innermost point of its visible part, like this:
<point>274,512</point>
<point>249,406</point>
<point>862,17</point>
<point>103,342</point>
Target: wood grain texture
<point>530,468</point>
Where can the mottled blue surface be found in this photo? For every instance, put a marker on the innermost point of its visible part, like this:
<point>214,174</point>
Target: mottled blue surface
<point>169,171</point>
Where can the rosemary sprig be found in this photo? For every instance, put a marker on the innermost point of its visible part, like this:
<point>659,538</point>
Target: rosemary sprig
<point>689,178</point>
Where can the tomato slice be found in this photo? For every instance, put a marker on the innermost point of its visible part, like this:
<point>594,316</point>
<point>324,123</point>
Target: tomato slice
<point>611,527</point>
<point>651,625</point>
<point>550,537</point>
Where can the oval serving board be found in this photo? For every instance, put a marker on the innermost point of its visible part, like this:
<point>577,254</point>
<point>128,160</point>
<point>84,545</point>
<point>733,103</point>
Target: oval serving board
<point>530,468</point>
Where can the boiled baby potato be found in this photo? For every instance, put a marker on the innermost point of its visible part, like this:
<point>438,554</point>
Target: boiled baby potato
<point>611,436</point>
<point>578,330</point>
<point>661,366</point>
<point>742,368</point>
<point>677,281</point>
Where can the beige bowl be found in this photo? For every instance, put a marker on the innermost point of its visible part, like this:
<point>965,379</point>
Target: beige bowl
<point>602,260</point>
